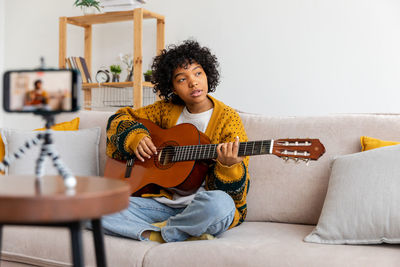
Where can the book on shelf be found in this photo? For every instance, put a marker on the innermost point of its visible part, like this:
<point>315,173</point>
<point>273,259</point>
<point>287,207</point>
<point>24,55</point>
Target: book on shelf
<point>73,64</point>
<point>70,63</point>
<point>80,68</point>
<point>85,69</point>
<point>79,63</point>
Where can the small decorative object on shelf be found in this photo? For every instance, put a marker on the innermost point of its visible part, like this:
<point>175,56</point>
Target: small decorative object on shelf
<point>129,76</point>
<point>121,5</point>
<point>116,71</point>
<point>147,76</point>
<point>88,6</point>
<point>127,60</point>
<point>103,76</point>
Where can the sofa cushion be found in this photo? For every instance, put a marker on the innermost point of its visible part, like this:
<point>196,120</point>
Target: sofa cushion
<point>79,150</point>
<point>90,119</point>
<point>295,193</point>
<point>362,202</point>
<point>250,244</point>
<point>268,244</point>
<point>368,143</point>
<point>51,246</point>
<point>72,125</point>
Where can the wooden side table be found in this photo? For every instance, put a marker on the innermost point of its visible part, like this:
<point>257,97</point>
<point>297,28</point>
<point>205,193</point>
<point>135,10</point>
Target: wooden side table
<point>22,202</point>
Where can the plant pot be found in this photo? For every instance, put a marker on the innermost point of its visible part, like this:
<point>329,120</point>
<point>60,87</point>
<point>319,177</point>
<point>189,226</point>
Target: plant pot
<point>115,78</point>
<point>147,78</point>
<point>88,10</point>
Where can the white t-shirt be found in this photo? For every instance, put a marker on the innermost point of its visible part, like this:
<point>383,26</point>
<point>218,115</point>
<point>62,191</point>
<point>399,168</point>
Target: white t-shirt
<point>200,120</point>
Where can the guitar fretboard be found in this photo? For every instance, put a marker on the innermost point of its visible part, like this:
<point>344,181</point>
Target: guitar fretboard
<point>209,151</point>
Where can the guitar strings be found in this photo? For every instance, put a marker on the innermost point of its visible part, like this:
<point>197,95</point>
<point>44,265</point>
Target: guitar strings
<point>204,151</point>
<point>210,147</point>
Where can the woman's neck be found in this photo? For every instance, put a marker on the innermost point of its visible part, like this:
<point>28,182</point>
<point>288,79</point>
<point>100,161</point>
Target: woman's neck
<point>200,107</point>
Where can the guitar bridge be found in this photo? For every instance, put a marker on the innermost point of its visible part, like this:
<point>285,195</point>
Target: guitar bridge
<point>129,165</point>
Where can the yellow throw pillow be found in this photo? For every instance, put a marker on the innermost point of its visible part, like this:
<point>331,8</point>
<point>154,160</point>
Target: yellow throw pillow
<point>72,125</point>
<point>368,143</point>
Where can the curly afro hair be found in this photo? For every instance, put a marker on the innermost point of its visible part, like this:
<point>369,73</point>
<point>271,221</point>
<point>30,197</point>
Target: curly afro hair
<point>176,56</point>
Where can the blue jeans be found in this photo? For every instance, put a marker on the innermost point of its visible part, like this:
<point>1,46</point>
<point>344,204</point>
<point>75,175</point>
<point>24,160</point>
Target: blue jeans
<point>210,212</point>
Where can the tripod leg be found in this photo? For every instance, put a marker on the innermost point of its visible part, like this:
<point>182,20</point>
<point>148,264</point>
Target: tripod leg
<point>39,164</point>
<point>69,179</point>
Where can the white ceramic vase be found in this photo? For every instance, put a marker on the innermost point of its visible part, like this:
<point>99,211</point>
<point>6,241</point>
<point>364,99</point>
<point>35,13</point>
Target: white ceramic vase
<point>88,10</point>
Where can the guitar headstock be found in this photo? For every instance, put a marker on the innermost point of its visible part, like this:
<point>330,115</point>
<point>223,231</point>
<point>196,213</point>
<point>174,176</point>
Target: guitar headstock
<point>298,149</point>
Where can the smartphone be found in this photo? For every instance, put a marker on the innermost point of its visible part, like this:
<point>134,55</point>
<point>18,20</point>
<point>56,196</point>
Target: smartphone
<point>41,91</point>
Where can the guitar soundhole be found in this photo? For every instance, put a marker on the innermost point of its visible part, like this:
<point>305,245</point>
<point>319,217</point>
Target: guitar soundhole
<point>165,156</point>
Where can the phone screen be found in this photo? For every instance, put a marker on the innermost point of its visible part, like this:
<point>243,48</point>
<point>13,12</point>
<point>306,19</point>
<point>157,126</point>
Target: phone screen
<point>43,90</point>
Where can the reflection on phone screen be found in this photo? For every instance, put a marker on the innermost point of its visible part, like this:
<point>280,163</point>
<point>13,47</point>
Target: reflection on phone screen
<point>41,90</point>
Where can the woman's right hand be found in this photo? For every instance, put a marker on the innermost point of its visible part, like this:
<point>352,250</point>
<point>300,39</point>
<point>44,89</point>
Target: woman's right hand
<point>145,149</point>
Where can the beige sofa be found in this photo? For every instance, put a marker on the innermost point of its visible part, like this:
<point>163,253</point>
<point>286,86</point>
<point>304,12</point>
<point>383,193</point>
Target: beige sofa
<point>284,204</point>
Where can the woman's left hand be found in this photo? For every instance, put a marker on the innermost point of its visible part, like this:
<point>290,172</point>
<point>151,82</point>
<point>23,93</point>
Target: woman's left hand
<point>228,153</point>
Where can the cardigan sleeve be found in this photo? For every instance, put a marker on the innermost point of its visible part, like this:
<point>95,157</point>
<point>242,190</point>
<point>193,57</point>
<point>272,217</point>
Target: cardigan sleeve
<point>124,132</point>
<point>234,180</point>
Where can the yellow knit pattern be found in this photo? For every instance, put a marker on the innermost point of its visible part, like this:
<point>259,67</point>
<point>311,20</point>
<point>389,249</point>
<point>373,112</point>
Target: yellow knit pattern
<point>225,124</point>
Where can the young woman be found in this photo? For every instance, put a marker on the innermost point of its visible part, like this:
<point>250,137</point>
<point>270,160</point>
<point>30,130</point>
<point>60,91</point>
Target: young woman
<point>37,96</point>
<point>183,75</point>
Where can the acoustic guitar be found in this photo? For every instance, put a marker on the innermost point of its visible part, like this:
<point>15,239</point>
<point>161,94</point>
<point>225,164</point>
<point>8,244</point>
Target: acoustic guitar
<point>184,154</point>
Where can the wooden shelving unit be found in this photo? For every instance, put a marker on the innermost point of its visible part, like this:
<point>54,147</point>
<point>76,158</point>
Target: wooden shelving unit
<point>86,22</point>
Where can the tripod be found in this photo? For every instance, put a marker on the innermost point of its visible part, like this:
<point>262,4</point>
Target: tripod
<point>47,149</point>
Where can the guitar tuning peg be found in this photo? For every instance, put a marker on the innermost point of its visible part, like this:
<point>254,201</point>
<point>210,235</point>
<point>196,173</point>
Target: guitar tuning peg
<point>285,159</point>
<point>307,161</point>
<point>296,160</point>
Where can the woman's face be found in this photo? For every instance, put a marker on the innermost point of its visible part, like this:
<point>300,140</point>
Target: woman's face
<point>191,85</point>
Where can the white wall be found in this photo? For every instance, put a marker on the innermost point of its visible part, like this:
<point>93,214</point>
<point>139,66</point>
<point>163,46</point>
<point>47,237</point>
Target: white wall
<point>1,57</point>
<point>278,57</point>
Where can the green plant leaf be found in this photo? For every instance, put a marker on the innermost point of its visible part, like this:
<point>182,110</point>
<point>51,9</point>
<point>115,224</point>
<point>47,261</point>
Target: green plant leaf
<point>88,3</point>
<point>116,69</point>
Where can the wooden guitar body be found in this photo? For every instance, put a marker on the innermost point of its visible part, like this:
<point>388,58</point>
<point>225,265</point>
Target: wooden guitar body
<point>156,172</point>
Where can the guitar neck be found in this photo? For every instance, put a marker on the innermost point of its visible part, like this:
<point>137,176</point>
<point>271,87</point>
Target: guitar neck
<point>209,151</point>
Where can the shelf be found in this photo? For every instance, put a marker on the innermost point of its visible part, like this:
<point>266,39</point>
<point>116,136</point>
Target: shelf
<point>108,17</point>
<point>118,85</point>
<point>136,16</point>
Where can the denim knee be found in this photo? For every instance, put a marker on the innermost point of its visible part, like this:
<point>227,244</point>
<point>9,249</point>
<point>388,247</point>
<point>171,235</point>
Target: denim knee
<point>217,204</point>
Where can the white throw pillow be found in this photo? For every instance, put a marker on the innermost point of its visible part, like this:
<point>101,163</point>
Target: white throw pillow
<point>79,150</point>
<point>363,198</point>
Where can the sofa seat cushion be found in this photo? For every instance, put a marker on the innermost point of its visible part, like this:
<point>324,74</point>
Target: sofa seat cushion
<point>51,246</point>
<point>250,244</point>
<point>269,244</point>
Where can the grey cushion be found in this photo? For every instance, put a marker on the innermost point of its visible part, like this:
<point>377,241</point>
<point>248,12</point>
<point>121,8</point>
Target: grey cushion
<point>79,150</point>
<point>362,202</point>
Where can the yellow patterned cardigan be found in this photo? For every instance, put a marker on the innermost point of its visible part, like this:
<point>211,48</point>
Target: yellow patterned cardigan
<point>124,134</point>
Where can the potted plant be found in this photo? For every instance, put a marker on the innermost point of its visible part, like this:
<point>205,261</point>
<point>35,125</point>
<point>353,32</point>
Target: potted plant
<point>88,6</point>
<point>147,76</point>
<point>115,70</point>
